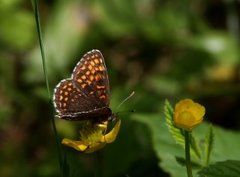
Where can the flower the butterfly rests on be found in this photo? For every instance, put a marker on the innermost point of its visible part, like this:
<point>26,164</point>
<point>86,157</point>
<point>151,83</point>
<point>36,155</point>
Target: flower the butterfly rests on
<point>85,97</point>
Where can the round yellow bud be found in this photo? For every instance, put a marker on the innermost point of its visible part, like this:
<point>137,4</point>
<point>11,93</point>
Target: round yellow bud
<point>188,114</point>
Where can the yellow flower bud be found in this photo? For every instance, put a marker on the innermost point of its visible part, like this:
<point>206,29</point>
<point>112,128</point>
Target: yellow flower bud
<point>188,114</point>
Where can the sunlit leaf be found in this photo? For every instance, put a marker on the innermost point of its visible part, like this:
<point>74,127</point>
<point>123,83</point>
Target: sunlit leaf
<point>176,133</point>
<point>226,142</point>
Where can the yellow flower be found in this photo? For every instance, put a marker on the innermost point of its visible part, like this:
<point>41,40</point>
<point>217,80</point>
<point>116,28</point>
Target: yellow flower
<point>188,114</point>
<point>93,137</point>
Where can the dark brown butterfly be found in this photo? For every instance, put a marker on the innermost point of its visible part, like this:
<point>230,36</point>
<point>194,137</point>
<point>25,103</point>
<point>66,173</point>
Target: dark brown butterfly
<point>86,95</point>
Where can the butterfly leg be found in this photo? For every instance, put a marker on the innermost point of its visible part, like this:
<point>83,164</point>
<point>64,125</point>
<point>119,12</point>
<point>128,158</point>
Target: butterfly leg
<point>102,126</point>
<point>111,136</point>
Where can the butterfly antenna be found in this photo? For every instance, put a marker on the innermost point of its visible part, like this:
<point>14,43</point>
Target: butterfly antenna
<point>125,100</point>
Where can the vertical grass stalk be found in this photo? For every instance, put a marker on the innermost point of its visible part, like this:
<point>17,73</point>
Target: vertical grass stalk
<point>97,163</point>
<point>39,32</point>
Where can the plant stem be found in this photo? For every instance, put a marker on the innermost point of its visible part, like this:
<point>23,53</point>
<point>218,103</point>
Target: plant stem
<point>39,32</point>
<point>97,164</point>
<point>37,19</point>
<point>187,153</point>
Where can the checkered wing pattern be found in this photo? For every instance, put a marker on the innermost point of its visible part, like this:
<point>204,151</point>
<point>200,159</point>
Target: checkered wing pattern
<point>86,94</point>
<point>90,76</point>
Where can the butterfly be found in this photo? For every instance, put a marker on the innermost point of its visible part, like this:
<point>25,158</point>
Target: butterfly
<point>86,95</point>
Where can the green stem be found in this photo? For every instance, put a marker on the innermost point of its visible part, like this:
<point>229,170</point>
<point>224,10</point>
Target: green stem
<point>187,153</point>
<point>97,164</point>
<point>37,19</point>
<point>39,32</point>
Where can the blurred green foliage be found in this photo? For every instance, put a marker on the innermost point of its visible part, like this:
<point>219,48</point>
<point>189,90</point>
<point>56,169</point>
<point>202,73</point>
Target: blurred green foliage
<point>159,49</point>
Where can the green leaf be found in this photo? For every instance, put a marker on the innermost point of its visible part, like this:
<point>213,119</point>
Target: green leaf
<point>229,168</point>
<point>176,133</point>
<point>194,147</point>
<point>182,162</point>
<point>209,140</point>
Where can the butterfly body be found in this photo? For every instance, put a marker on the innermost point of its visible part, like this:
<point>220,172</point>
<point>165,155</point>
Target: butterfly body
<point>96,115</point>
<point>86,95</point>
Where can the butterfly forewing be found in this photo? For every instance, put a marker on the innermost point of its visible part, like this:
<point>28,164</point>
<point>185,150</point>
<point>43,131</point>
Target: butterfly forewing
<point>90,77</point>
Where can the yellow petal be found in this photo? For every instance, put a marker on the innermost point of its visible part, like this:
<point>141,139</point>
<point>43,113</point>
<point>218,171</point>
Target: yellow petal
<point>78,145</point>
<point>111,136</point>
